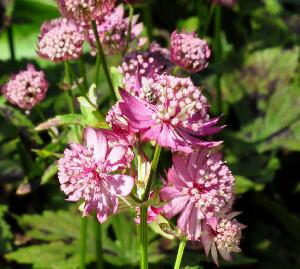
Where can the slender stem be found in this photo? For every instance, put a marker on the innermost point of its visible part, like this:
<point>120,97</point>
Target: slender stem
<point>99,251</point>
<point>43,118</point>
<point>143,237</point>
<point>83,239</point>
<point>154,164</point>
<point>82,72</point>
<point>104,63</point>
<point>98,64</point>
<point>218,57</point>
<point>208,21</point>
<point>148,20</point>
<point>180,254</point>
<point>11,43</point>
<point>128,37</point>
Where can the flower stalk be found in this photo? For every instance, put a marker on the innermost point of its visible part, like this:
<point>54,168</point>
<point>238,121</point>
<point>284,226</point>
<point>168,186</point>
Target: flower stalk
<point>83,240</point>
<point>99,251</point>
<point>131,10</point>
<point>143,237</point>
<point>179,256</point>
<point>11,43</point>
<point>103,61</point>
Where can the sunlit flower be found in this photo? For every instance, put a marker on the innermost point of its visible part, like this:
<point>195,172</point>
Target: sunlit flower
<point>90,172</point>
<point>26,89</point>
<point>113,31</point>
<point>60,40</point>
<point>85,10</point>
<point>222,235</point>
<point>189,52</point>
<point>171,111</point>
<point>199,186</point>
<point>138,64</point>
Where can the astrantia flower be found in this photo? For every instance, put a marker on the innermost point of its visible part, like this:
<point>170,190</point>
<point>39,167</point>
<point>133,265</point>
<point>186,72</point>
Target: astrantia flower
<point>221,235</point>
<point>113,31</point>
<point>189,52</point>
<point>60,40</point>
<point>140,64</point>
<point>85,10</point>
<point>199,186</point>
<point>26,89</point>
<point>90,172</point>
<point>226,3</point>
<point>171,111</point>
<point>152,214</point>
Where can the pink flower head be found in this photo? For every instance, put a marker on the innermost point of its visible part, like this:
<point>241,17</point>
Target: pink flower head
<point>171,111</point>
<point>112,31</point>
<point>226,3</point>
<point>26,89</point>
<point>138,64</point>
<point>60,40</point>
<point>189,52</point>
<point>90,172</point>
<point>222,235</point>
<point>199,186</point>
<point>85,10</point>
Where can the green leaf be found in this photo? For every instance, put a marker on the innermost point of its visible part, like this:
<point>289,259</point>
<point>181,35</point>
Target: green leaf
<point>243,184</point>
<point>5,233</point>
<point>49,173</point>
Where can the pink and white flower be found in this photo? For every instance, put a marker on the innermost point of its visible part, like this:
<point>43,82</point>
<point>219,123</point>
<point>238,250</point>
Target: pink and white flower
<point>189,52</point>
<point>26,89</point>
<point>171,111</point>
<point>222,235</point>
<point>112,31</point>
<point>199,186</point>
<point>60,40</point>
<point>85,10</point>
<point>90,172</point>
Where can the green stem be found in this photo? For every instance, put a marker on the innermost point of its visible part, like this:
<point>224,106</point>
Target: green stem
<point>114,92</point>
<point>208,21</point>
<point>154,164</point>
<point>11,43</point>
<point>82,72</point>
<point>131,10</point>
<point>148,20</point>
<point>98,64</point>
<point>99,251</point>
<point>43,118</point>
<point>83,240</point>
<point>143,237</point>
<point>180,254</point>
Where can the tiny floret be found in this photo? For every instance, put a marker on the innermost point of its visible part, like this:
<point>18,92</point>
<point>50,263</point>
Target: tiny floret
<point>60,40</point>
<point>26,89</point>
<point>189,52</point>
<point>91,172</point>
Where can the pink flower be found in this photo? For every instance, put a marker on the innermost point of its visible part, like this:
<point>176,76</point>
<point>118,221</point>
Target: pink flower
<point>26,89</point>
<point>112,31</point>
<point>222,235</point>
<point>189,52</point>
<point>226,3</point>
<point>85,10</point>
<point>90,172</point>
<point>171,111</point>
<point>199,186</point>
<point>139,64</point>
<point>60,40</point>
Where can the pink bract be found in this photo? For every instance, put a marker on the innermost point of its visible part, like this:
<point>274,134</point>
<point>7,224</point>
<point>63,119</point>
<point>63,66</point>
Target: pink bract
<point>113,29</point>
<point>26,89</point>
<point>60,40</point>
<point>222,235</point>
<point>171,111</point>
<point>189,52</point>
<point>199,185</point>
<point>85,10</point>
<point>91,172</point>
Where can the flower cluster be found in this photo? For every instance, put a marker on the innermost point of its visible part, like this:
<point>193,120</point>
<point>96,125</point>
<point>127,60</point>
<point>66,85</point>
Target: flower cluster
<point>26,89</point>
<point>189,52</point>
<point>60,40</point>
<point>85,10</point>
<point>113,31</point>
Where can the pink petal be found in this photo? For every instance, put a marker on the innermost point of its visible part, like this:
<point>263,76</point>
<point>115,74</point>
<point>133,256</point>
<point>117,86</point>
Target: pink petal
<point>214,254</point>
<point>96,139</point>
<point>116,157</point>
<point>175,206</point>
<point>121,184</point>
<point>152,133</point>
<point>181,168</point>
<point>206,240</point>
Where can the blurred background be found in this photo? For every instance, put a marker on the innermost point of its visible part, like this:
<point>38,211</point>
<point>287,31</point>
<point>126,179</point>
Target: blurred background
<point>255,64</point>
